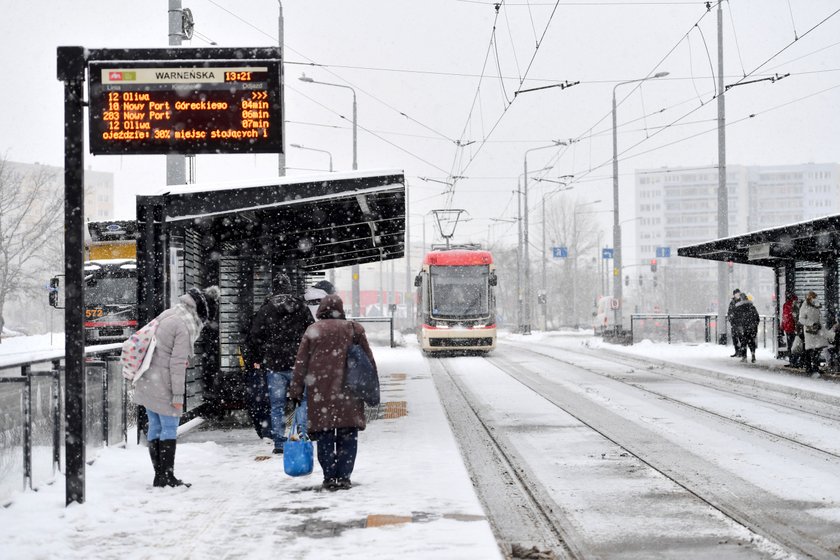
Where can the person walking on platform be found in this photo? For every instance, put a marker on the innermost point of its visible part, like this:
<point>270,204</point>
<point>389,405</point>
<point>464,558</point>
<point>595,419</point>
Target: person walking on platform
<point>320,369</point>
<point>736,296</point>
<point>272,344</point>
<point>161,388</point>
<point>815,340</point>
<point>788,326</point>
<point>745,324</point>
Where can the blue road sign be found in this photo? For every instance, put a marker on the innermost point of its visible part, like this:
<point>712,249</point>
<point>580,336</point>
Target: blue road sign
<point>606,253</point>
<point>559,252</point>
<point>663,252</point>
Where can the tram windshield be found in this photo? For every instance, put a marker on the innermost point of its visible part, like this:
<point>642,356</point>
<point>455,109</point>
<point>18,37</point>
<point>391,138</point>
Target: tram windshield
<point>459,291</point>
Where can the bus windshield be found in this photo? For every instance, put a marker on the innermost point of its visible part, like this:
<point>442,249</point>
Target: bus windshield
<point>459,291</point>
<point>110,290</point>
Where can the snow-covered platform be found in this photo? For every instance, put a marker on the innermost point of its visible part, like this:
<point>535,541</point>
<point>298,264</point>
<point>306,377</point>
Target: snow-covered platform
<point>412,496</point>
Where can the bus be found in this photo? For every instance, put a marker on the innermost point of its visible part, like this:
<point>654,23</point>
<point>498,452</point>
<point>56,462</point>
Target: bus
<point>110,281</point>
<point>456,302</point>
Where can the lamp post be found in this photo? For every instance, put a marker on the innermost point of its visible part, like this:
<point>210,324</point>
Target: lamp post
<point>355,268</point>
<point>525,326</point>
<point>300,147</point>
<point>616,227</point>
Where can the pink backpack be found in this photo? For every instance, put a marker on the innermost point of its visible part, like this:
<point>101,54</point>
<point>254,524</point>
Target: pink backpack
<point>137,351</point>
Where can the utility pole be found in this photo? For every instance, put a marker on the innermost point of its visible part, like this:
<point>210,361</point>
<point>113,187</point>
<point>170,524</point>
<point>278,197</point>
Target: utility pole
<point>176,166</point>
<point>723,198</point>
<point>281,157</point>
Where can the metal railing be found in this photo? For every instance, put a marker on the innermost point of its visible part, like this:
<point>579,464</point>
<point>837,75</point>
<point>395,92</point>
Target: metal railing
<point>691,328</point>
<point>371,336</point>
<point>32,421</point>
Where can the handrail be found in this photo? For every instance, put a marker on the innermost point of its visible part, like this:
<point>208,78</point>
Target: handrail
<point>51,355</point>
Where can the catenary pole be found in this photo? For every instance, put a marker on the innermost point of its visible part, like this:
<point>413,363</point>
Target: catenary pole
<point>723,199</point>
<point>176,167</point>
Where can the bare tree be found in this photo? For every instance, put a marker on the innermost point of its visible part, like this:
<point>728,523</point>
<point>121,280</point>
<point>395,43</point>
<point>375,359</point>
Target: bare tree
<point>30,222</point>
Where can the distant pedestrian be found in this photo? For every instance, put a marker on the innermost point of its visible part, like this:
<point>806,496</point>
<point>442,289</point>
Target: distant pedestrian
<point>272,345</point>
<point>745,321</point>
<point>815,339</point>
<point>161,388</point>
<point>315,293</point>
<point>736,297</point>
<point>788,326</point>
<point>335,415</point>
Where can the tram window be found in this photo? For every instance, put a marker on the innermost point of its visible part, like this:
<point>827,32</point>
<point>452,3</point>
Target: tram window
<point>459,291</point>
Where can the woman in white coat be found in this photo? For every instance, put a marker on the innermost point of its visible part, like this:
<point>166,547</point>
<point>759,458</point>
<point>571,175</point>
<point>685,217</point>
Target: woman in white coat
<point>815,333</point>
<point>161,388</point>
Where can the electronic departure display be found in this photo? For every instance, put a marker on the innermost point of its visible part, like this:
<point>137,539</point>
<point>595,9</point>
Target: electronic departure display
<point>185,107</point>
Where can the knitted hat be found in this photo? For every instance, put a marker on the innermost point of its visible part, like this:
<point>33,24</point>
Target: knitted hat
<point>206,301</point>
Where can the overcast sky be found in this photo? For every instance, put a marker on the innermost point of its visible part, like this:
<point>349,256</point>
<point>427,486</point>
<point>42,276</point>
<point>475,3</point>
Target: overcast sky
<point>427,76</point>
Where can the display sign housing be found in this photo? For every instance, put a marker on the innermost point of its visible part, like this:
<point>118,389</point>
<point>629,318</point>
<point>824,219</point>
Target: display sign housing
<point>185,106</point>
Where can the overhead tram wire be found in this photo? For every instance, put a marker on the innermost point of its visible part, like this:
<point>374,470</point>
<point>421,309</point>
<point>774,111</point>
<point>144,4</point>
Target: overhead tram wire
<point>703,104</point>
<point>274,38</point>
<point>369,131</point>
<point>483,141</point>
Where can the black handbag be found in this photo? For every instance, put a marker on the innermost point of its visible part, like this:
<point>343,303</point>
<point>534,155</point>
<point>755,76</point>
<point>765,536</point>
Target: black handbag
<point>361,378</point>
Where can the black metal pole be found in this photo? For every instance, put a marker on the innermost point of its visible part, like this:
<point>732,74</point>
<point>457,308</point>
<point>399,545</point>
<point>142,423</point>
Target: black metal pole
<point>27,426</point>
<point>56,396</point>
<point>71,70</point>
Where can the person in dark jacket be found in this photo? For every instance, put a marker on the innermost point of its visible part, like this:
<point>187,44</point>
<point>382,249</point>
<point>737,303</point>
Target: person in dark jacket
<point>272,345</point>
<point>745,321</point>
<point>730,315</point>
<point>335,415</point>
<point>161,388</point>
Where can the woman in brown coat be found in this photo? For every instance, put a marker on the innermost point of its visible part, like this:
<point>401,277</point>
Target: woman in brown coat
<point>334,414</point>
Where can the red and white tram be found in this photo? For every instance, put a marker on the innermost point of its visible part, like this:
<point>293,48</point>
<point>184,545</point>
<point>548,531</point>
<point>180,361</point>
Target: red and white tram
<point>456,303</point>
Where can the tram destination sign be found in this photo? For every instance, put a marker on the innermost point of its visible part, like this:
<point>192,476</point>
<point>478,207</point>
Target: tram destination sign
<point>185,107</point>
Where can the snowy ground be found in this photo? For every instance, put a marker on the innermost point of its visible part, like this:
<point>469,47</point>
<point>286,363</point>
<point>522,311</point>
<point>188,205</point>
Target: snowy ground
<point>412,496</point>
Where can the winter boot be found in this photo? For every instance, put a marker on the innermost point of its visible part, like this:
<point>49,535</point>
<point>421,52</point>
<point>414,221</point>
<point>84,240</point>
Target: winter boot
<point>166,456</point>
<point>753,357</point>
<point>154,453</point>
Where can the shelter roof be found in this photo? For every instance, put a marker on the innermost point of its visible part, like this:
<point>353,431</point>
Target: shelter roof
<point>812,240</point>
<point>323,221</point>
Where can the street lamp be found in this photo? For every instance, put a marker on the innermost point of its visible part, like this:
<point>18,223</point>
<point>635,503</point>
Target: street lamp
<point>298,146</point>
<point>356,311</point>
<point>525,326</point>
<point>616,227</point>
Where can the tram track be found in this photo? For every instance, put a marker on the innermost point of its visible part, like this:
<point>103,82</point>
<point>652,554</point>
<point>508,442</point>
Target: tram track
<point>523,517</point>
<point>800,408</point>
<point>780,522</point>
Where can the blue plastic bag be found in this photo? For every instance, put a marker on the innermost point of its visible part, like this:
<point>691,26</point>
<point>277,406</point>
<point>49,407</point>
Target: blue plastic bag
<point>298,455</point>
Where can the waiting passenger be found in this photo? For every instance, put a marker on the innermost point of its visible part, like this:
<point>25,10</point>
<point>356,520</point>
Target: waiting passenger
<point>272,345</point>
<point>335,415</point>
<point>815,340</point>
<point>161,388</point>
<point>745,321</point>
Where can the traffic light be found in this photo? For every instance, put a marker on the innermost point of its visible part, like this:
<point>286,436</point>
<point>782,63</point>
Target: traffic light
<point>653,265</point>
<point>627,280</point>
<point>640,280</point>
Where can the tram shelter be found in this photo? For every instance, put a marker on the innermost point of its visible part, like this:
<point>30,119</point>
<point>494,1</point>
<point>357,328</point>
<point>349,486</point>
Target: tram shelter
<point>803,256</point>
<point>239,235</point>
